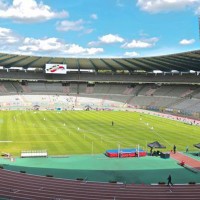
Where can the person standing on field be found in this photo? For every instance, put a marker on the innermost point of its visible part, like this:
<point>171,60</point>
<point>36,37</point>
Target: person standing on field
<point>169,180</point>
<point>174,148</point>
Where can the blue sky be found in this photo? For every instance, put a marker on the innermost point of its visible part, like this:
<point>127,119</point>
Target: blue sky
<point>99,28</point>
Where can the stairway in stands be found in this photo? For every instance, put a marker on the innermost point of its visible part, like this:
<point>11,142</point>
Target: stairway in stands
<point>89,90</point>
<point>26,89</point>
<point>66,89</point>
<point>3,89</point>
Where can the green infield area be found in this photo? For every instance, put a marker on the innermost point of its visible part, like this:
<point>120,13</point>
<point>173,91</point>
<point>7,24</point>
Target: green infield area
<point>90,132</point>
<point>98,167</point>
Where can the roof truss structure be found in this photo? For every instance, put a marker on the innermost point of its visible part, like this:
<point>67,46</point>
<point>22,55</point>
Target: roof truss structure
<point>182,62</point>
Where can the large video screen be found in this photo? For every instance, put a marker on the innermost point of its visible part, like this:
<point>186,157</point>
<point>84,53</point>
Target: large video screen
<point>56,69</point>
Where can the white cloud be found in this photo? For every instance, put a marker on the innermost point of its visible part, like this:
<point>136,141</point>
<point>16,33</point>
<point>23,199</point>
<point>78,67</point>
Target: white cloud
<point>147,43</point>
<point>155,6</point>
<point>93,51</point>
<point>67,25</point>
<point>107,39</point>
<point>131,54</point>
<point>57,46</point>
<point>186,41</point>
<point>13,43</point>
<point>47,44</point>
<point>110,38</point>
<point>136,44</point>
<point>73,49</point>
<point>94,43</point>
<point>76,49</point>
<point>28,11</point>
<point>7,37</point>
<point>94,16</point>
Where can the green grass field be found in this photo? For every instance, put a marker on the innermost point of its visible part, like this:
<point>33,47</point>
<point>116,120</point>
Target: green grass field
<point>82,132</point>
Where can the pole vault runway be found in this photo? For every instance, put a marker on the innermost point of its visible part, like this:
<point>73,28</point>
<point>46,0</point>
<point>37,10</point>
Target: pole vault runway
<point>195,164</point>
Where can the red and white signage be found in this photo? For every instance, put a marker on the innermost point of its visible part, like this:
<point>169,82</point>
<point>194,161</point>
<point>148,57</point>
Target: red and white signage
<point>56,69</point>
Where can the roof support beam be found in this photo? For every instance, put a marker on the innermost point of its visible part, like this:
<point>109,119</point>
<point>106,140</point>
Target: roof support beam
<point>194,64</point>
<point>138,65</point>
<point>6,59</point>
<point>12,64</point>
<point>154,63</point>
<point>93,65</point>
<point>49,61</point>
<point>124,66</point>
<point>31,63</point>
<point>167,64</point>
<point>78,64</point>
<point>175,62</point>
<point>109,66</point>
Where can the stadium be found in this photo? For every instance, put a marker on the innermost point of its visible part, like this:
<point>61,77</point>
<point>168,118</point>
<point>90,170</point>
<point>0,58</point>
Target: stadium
<point>81,127</point>
<point>114,110</point>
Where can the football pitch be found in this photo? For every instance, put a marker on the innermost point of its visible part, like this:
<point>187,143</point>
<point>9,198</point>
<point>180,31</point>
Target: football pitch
<point>90,132</point>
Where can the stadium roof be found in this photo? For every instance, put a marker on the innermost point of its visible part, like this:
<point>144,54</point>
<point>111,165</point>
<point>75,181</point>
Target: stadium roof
<point>183,62</point>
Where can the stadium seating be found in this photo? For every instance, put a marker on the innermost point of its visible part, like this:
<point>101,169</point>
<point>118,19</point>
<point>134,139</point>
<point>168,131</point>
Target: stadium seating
<point>178,98</point>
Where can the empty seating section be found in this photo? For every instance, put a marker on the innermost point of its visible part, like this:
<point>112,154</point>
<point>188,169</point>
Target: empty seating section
<point>128,90</point>
<point>144,91</point>
<point>117,88</point>
<point>197,96</point>
<point>20,186</point>
<point>101,88</point>
<point>26,89</point>
<point>178,91</point>
<point>73,88</point>
<point>89,89</point>
<point>37,87</point>
<point>82,88</point>
<point>187,93</point>
<point>40,87</point>
<point>3,89</point>
<point>120,98</point>
<point>171,90</point>
<point>196,93</point>
<point>54,87</point>
<point>191,105</point>
<point>151,91</point>
<point>65,89</point>
<point>151,101</point>
<point>184,98</point>
<point>10,87</point>
<point>17,86</point>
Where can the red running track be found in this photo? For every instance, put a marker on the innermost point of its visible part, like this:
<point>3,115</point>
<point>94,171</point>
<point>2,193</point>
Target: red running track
<point>18,186</point>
